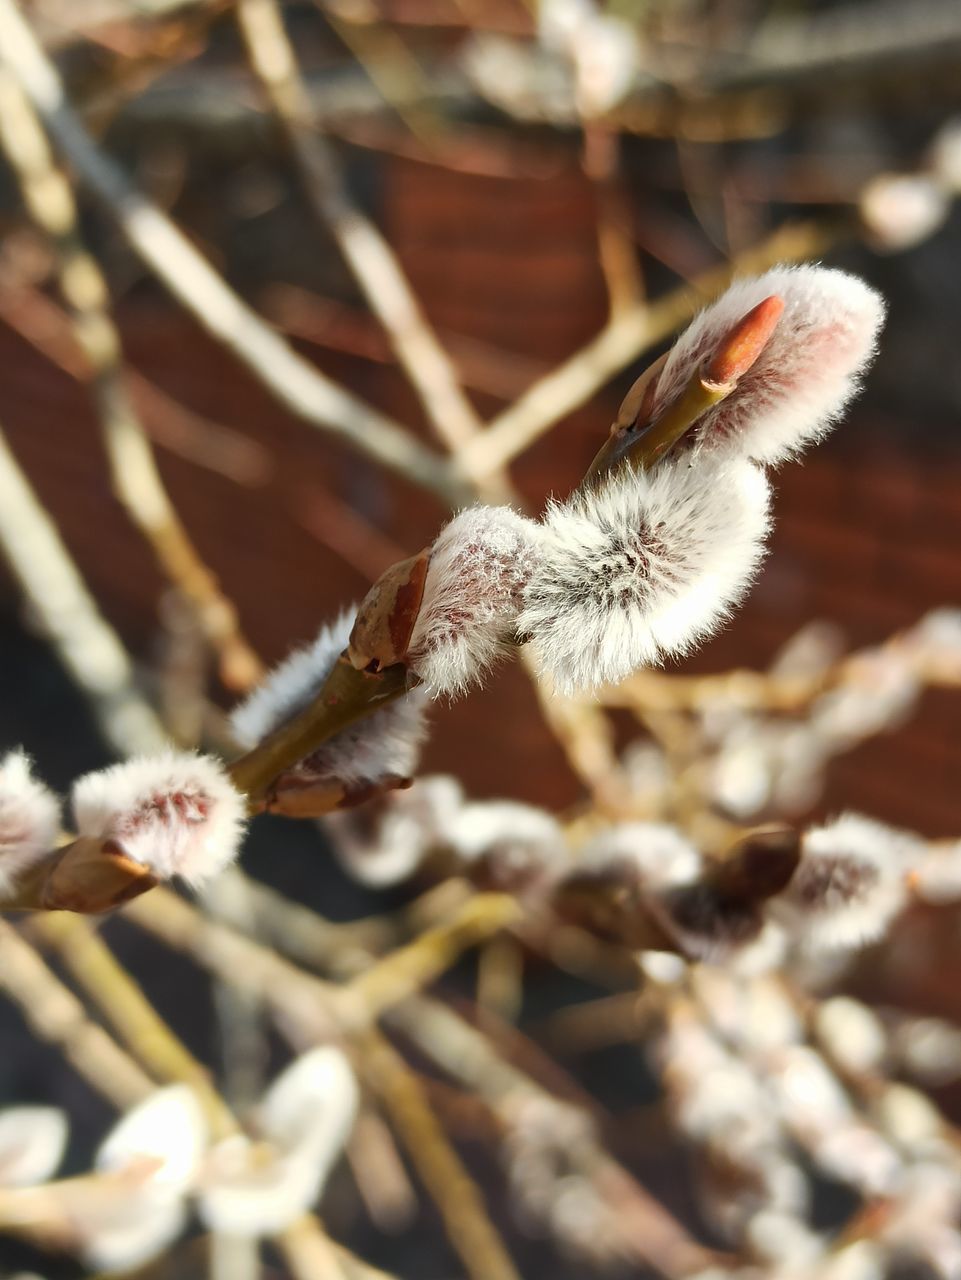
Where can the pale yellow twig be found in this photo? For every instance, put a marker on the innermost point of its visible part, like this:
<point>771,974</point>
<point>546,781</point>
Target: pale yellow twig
<point>56,1015</point>
<point>465,1217</point>
<point>409,969</point>
<point>189,277</point>
<point>134,1019</point>
<point>136,480</point>
<point>626,336</point>
<point>370,258</point>
<point>87,645</point>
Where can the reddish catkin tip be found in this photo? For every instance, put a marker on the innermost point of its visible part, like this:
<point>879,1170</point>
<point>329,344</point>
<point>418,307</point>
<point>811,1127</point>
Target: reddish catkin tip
<point>744,343</point>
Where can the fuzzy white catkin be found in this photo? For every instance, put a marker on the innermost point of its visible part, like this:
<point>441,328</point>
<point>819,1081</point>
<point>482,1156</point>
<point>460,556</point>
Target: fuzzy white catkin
<point>849,885</point>
<point>804,377</point>
<point>653,852</point>
<point>479,566</point>
<point>29,819</point>
<point>384,842</point>
<point>177,813</point>
<point>384,743</point>
<point>642,568</point>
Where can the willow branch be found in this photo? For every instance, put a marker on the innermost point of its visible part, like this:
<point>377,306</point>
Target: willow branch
<point>136,480</point>
<point>56,1015</point>
<point>468,1226</point>
<point>626,336</point>
<point>170,256</point>
<point>94,966</point>
<point>87,645</point>
<point>368,255</point>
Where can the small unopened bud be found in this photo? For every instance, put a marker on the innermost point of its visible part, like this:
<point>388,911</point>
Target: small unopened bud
<point>376,753</point>
<point>258,1189</point>
<point>850,883</point>
<point>744,343</point>
<point>479,567</point>
<point>508,847</point>
<point>807,370</point>
<point>386,841</point>
<point>175,814</point>
<point>92,875</point>
<point>642,567</point>
<point>901,210</point>
<point>29,819</point>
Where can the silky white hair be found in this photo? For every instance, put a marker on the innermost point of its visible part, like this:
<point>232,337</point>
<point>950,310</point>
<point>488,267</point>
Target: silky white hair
<point>479,566</point>
<point>658,855</point>
<point>642,567</point>
<point>386,742</point>
<point>176,813</point>
<point>29,818</point>
<point>849,884</point>
<point>383,843</point>
<point>805,376</point>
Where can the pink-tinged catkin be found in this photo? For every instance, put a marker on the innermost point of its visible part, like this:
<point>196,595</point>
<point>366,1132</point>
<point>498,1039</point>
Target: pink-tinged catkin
<point>803,379</point>
<point>177,813</point>
<point>29,819</point>
<point>479,566</point>
<point>849,884</point>
<point>642,567</point>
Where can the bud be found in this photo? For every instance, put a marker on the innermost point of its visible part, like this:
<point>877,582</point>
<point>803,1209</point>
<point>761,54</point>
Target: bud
<point>175,814</point>
<point>385,842</point>
<point>479,566</point>
<point>375,753</point>
<point>508,847</point>
<point>148,1163</point>
<point>641,567</point>
<point>256,1189</point>
<point>29,819</point>
<point>807,371</point>
<point>32,1143</point>
<point>850,883</point>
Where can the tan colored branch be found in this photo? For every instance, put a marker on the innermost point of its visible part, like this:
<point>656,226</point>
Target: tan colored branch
<point>369,256</point>
<point>94,966</point>
<point>56,1015</point>
<point>623,339</point>
<point>87,645</point>
<point>303,389</point>
<point>49,199</point>
<point>468,1226</point>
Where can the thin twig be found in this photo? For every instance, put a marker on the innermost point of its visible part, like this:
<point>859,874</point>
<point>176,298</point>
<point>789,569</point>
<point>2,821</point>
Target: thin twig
<point>56,1015</point>
<point>625,337</point>
<point>86,644</point>
<point>133,1017</point>
<point>469,1228</point>
<point>370,258</point>
<point>49,199</point>
<point>303,389</point>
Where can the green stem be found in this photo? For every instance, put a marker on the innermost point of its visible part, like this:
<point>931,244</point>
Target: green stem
<point>348,695</point>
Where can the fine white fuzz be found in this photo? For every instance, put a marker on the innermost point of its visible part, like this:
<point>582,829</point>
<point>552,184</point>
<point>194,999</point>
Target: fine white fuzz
<point>29,819</point>
<point>384,841</point>
<point>388,742</point>
<point>806,374</point>
<point>307,1116</point>
<point>655,854</point>
<point>642,567</point>
<point>509,846</point>
<point>32,1143</point>
<point>479,566</point>
<point>154,1155</point>
<point>177,814</point>
<point>849,884</point>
